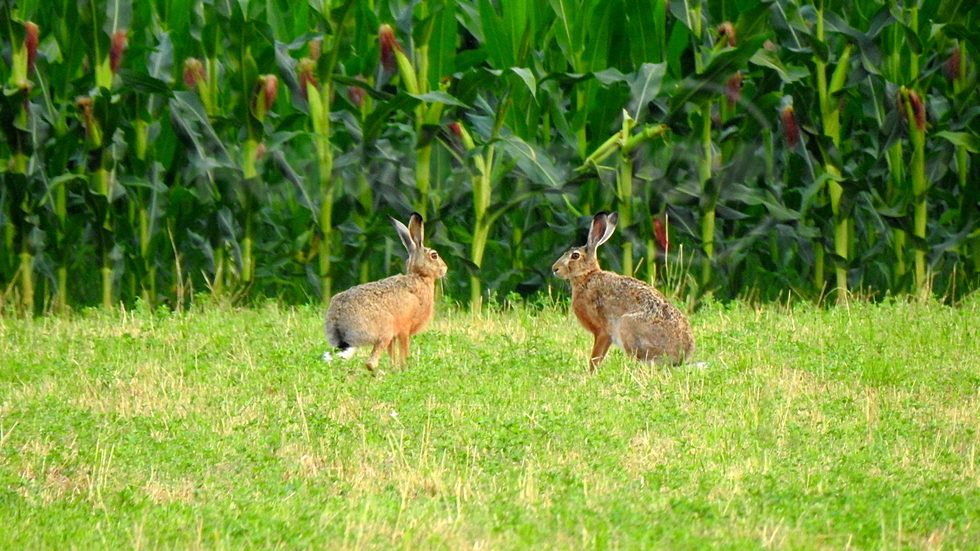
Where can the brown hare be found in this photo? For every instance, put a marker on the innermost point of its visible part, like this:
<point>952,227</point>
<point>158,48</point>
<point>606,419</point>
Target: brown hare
<point>620,309</point>
<point>386,313</point>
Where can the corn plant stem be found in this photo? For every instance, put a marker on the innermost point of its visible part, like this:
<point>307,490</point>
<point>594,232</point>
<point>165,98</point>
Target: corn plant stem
<point>220,260</point>
<point>423,178</point>
<point>651,260</point>
<point>920,212</point>
<point>26,271</point>
<point>319,108</point>
<point>482,188</point>
<point>962,159</point>
<point>708,214</point>
<point>61,213</point>
<point>583,140</point>
<point>896,168</point>
<point>830,119</point>
<point>624,188</point>
<point>250,174</point>
<point>895,159</point>
<point>148,290</point>
<point>148,285</point>
<point>626,209</point>
<point>325,161</point>
<point>102,180</point>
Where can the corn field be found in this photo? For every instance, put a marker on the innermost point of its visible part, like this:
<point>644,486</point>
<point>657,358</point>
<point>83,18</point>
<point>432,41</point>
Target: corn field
<point>160,149</point>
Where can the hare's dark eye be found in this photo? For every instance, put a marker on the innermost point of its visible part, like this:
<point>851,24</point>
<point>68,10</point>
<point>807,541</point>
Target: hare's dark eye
<point>433,255</point>
<point>576,255</point>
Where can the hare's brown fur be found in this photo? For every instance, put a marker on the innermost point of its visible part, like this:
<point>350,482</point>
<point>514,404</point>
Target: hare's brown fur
<point>386,313</point>
<point>620,309</point>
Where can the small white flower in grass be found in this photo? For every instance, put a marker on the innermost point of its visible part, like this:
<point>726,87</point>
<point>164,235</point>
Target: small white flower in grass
<point>327,357</point>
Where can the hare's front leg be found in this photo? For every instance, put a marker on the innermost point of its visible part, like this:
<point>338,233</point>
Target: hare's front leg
<point>599,348</point>
<point>403,343</point>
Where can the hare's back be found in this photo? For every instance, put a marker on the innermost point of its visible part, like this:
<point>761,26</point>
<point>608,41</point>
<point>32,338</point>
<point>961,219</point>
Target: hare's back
<point>630,295</point>
<point>393,295</point>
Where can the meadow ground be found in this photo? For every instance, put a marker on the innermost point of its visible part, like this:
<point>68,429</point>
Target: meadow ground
<point>806,428</point>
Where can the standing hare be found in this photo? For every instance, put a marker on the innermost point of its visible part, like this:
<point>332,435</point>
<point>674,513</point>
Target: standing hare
<point>620,309</point>
<point>379,313</point>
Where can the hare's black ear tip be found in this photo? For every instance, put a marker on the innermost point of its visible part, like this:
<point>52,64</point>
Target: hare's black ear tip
<point>614,217</point>
<point>416,215</point>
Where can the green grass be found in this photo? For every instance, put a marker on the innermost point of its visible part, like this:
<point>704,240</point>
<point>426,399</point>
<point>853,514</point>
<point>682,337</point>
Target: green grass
<point>854,427</point>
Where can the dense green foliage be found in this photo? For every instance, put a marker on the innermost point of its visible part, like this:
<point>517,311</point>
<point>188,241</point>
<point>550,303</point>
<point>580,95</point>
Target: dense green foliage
<point>160,148</point>
<point>808,428</point>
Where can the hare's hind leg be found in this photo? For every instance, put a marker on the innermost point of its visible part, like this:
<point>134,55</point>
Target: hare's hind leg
<point>379,348</point>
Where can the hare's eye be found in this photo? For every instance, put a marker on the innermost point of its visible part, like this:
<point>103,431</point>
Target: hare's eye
<point>576,255</point>
<point>433,255</point>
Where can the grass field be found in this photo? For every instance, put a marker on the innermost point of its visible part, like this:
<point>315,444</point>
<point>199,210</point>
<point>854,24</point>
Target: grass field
<point>854,427</point>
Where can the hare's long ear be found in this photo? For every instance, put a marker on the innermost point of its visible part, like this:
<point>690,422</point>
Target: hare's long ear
<point>404,234</point>
<point>603,226</point>
<point>416,228</point>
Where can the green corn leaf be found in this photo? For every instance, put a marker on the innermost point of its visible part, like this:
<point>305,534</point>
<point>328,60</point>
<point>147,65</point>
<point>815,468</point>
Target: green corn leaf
<point>766,58</point>
<point>533,162</point>
<point>644,87</point>
<point>499,39</point>
<point>442,44</point>
<point>646,25</point>
<point>528,77</point>
<point>439,97</point>
<point>143,83</point>
<point>119,15</point>
<point>564,29</point>
<point>968,141</point>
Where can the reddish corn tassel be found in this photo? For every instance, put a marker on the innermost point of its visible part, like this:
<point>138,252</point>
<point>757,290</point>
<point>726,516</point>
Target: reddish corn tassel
<point>31,42</point>
<point>93,133</point>
<point>733,88</point>
<point>727,31</point>
<point>660,233</point>
<point>918,109</point>
<point>194,72</point>
<point>386,36</point>
<point>271,83</point>
<point>915,104</point>
<point>119,41</point>
<point>790,127</point>
<point>85,105</point>
<point>307,75</point>
<point>266,90</point>
<point>455,129</point>
<point>951,67</point>
<point>356,94</point>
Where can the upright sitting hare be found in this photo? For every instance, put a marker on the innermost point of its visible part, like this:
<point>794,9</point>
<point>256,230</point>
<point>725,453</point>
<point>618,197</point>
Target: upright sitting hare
<point>620,309</point>
<point>379,313</point>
